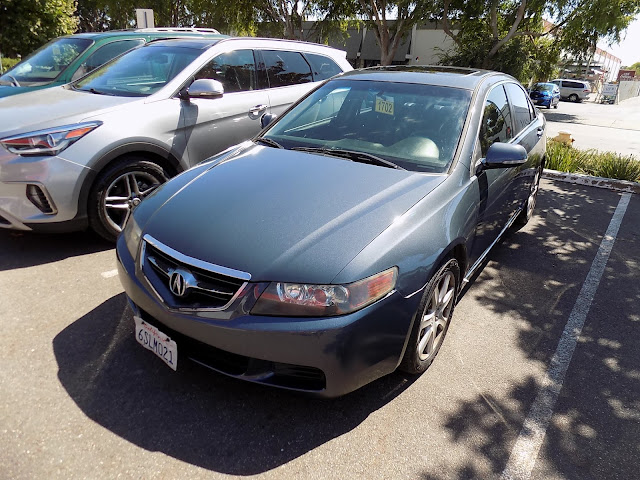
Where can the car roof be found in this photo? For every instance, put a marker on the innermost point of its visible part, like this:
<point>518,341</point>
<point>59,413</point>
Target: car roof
<point>191,42</point>
<point>159,33</point>
<point>456,77</point>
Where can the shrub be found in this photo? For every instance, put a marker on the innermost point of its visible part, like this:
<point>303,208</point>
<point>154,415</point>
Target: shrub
<point>7,63</point>
<point>565,158</point>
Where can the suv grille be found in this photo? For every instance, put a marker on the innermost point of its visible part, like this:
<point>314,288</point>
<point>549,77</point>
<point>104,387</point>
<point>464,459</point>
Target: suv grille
<point>203,286</point>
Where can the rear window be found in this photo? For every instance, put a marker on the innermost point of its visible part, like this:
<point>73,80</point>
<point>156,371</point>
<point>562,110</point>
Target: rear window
<point>323,67</point>
<point>286,68</point>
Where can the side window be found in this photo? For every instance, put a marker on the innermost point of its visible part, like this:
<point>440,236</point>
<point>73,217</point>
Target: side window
<point>519,107</point>
<point>496,120</point>
<point>286,68</point>
<point>235,70</point>
<point>105,53</point>
<point>323,67</point>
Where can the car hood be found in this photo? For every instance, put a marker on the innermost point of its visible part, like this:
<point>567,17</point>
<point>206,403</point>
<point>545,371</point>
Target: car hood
<point>284,215</point>
<point>52,107</point>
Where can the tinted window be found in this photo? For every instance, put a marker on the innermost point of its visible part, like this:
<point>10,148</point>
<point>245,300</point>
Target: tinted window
<point>415,126</point>
<point>235,70</point>
<point>47,63</point>
<point>519,107</point>
<point>104,54</point>
<point>140,72</point>
<point>286,68</point>
<point>496,120</point>
<point>323,67</point>
<point>568,84</point>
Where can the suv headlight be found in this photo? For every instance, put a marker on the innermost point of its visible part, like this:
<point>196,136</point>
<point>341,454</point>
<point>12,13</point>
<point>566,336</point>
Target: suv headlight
<point>47,142</point>
<point>132,234</point>
<point>306,300</point>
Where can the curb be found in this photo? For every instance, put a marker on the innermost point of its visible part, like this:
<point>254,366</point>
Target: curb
<point>598,182</point>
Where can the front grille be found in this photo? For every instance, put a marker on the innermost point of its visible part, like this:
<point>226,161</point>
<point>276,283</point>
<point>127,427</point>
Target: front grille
<point>206,288</point>
<point>36,195</point>
<point>296,377</point>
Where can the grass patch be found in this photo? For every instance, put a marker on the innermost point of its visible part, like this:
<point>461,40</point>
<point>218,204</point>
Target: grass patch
<point>565,158</point>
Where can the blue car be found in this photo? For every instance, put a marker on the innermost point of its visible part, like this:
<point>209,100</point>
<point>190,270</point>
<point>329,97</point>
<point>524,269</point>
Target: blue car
<point>545,95</point>
<point>330,250</point>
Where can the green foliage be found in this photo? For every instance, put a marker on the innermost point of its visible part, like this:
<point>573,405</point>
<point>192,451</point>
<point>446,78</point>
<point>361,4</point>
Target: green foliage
<point>635,66</point>
<point>27,24</point>
<point>565,158</point>
<point>7,63</point>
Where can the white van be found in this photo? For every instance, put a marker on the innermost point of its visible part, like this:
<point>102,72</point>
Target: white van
<point>573,90</point>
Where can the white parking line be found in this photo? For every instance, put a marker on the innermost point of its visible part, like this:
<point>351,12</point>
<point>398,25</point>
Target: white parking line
<point>109,274</point>
<point>525,451</point>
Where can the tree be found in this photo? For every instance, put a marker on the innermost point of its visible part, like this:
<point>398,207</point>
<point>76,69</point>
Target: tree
<point>407,13</point>
<point>635,66</point>
<point>26,25</point>
<point>484,30</point>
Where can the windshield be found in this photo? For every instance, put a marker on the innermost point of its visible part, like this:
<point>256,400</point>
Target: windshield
<point>140,72</point>
<point>543,87</point>
<point>417,127</point>
<point>46,64</point>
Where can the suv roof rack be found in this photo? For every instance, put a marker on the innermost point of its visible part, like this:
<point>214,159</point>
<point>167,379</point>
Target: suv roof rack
<point>178,29</point>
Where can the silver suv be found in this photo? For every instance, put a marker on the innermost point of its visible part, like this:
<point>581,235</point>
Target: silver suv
<point>85,153</point>
<point>573,90</point>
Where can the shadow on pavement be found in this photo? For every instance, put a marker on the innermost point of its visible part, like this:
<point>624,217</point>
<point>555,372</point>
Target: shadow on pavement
<point>554,115</point>
<point>27,249</point>
<point>533,279</point>
<point>195,415</point>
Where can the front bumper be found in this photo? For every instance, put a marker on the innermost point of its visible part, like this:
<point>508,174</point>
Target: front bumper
<point>328,356</point>
<point>59,181</point>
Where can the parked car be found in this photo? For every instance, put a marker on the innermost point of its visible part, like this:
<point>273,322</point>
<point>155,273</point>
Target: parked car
<point>545,95</point>
<point>573,90</point>
<point>330,250</point>
<point>65,59</point>
<point>83,154</point>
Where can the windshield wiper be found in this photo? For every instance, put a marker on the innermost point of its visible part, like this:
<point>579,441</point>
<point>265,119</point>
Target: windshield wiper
<point>14,82</point>
<point>268,141</point>
<point>354,156</point>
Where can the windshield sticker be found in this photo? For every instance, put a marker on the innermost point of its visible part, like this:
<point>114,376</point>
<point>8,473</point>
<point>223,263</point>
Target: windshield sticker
<point>384,105</point>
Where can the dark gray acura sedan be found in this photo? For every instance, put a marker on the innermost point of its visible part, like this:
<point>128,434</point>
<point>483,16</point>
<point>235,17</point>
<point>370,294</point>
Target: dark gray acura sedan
<point>330,250</point>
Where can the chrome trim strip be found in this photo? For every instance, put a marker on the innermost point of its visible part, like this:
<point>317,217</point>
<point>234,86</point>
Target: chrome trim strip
<point>194,262</point>
<point>475,266</point>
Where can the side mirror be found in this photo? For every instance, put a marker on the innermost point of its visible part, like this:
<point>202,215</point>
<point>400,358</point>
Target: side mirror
<point>266,119</point>
<point>503,155</point>
<point>203,88</point>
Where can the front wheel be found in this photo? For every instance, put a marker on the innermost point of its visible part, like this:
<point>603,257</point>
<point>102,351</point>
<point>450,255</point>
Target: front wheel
<point>432,319</point>
<point>118,189</point>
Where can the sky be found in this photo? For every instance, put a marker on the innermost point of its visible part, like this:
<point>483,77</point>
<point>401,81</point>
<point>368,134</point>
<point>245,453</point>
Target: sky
<point>629,48</point>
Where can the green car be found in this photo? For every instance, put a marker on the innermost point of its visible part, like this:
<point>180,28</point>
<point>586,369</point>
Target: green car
<point>68,58</point>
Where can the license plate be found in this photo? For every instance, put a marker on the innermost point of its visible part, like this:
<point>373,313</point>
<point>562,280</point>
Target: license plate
<point>153,339</point>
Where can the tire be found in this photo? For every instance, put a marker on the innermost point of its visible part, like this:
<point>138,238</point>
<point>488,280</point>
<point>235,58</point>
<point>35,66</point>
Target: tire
<point>126,182</point>
<point>549,106</point>
<point>573,98</point>
<point>433,316</point>
<point>530,205</point>
<point>556,105</point>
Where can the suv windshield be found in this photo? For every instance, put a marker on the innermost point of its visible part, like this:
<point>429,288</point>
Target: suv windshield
<point>47,63</point>
<point>417,127</point>
<point>140,72</point>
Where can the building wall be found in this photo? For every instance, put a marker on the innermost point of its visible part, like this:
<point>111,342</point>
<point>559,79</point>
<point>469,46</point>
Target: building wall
<point>427,45</point>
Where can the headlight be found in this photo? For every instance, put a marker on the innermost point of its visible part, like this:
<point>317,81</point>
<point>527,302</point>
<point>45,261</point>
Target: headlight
<point>305,300</point>
<point>47,142</point>
<point>132,233</point>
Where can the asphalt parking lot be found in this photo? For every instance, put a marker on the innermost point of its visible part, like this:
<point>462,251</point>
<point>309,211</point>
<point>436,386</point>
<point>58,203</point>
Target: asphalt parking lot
<point>81,399</point>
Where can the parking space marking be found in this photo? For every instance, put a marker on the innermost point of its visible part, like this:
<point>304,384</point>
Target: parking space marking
<point>525,451</point>
<point>109,274</point>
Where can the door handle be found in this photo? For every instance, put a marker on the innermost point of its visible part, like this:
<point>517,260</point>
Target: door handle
<point>257,109</point>
<point>540,131</point>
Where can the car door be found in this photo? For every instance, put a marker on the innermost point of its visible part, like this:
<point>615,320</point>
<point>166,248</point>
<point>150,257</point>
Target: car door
<point>213,124</point>
<point>289,77</point>
<point>528,132</point>
<point>494,185</point>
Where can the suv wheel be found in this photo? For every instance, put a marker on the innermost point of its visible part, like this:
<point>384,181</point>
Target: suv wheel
<point>573,97</point>
<point>118,190</point>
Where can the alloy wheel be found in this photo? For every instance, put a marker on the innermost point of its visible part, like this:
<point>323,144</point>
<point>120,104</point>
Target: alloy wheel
<point>436,316</point>
<point>124,193</point>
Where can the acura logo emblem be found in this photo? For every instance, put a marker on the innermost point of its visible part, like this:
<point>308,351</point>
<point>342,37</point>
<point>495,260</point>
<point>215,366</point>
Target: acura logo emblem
<point>178,284</point>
